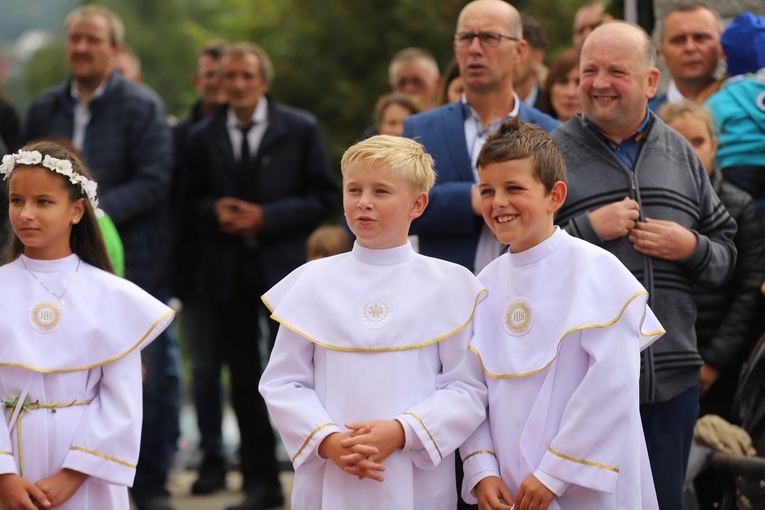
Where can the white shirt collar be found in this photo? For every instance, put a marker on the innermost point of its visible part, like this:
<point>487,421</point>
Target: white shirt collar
<point>259,116</point>
<point>673,94</point>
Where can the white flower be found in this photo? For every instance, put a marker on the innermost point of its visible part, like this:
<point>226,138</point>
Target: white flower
<point>64,166</point>
<point>89,188</point>
<point>29,158</point>
<point>60,166</point>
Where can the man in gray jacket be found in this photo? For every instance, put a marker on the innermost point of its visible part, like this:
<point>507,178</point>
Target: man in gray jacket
<point>637,189</point>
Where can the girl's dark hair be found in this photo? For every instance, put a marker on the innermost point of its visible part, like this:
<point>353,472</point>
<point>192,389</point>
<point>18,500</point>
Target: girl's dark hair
<point>559,69</point>
<point>85,239</point>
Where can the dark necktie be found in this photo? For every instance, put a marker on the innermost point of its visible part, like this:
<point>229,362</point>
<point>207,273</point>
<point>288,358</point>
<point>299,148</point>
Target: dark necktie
<point>246,177</point>
<point>244,156</point>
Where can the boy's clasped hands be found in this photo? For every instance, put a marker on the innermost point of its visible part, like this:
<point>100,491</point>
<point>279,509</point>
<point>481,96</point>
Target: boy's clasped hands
<point>361,451</point>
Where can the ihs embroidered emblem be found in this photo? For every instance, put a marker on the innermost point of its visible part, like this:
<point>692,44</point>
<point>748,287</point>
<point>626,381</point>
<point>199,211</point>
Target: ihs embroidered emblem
<point>45,316</point>
<point>519,317</point>
<point>375,312</point>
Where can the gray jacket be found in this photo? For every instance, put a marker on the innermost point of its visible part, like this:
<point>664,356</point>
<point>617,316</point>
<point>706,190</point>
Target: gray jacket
<point>669,183</point>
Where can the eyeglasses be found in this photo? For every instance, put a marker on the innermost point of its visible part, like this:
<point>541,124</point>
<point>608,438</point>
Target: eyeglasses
<point>413,81</point>
<point>487,39</point>
<point>209,75</point>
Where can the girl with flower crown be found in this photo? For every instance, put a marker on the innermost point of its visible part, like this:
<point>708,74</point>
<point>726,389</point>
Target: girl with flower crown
<point>72,332</point>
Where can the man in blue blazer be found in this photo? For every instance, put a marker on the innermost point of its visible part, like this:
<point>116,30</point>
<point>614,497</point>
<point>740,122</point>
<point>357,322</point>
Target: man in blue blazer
<point>259,183</point>
<point>487,46</point>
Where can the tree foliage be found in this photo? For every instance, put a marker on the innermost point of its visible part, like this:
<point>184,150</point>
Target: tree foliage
<point>331,57</point>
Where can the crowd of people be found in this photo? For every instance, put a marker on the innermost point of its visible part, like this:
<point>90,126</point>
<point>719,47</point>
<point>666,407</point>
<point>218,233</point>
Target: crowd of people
<point>618,230</point>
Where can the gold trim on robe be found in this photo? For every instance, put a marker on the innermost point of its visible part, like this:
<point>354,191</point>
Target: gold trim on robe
<point>310,436</point>
<point>106,313</point>
<point>102,456</point>
<point>582,461</point>
<point>565,335</point>
<point>479,452</point>
<point>419,420</point>
<point>369,294</point>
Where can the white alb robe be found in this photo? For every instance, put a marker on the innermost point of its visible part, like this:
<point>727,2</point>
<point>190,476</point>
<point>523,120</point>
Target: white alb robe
<point>88,369</point>
<point>559,339</point>
<point>375,334</point>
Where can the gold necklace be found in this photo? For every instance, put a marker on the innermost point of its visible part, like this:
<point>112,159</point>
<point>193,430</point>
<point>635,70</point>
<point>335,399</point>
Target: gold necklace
<point>59,296</point>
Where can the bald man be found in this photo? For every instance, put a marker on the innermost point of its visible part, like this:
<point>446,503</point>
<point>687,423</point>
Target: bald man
<point>488,45</point>
<point>637,189</point>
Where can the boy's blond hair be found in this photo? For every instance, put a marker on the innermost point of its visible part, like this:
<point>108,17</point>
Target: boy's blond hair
<point>671,112</point>
<point>400,154</point>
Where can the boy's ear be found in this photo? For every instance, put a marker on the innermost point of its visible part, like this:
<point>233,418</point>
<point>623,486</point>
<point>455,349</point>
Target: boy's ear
<point>419,205</point>
<point>557,196</point>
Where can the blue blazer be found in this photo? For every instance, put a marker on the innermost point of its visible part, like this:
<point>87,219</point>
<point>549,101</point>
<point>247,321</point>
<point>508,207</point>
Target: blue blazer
<point>448,229</point>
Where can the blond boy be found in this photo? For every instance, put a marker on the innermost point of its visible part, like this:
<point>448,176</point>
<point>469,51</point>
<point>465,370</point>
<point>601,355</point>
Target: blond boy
<point>370,382</point>
<point>559,339</point>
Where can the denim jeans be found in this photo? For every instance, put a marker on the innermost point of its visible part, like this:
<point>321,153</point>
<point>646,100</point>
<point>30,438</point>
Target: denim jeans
<point>668,428</point>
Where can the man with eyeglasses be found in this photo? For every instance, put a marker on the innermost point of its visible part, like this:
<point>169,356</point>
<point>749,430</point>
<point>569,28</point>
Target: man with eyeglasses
<point>412,71</point>
<point>207,390</point>
<point>488,44</point>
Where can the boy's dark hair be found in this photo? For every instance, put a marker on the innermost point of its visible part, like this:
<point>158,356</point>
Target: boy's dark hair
<point>86,239</point>
<point>516,140</point>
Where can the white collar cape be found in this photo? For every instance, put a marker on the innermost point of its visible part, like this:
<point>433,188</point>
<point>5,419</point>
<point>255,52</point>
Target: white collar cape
<point>105,317</point>
<point>568,285</point>
<point>376,300</point>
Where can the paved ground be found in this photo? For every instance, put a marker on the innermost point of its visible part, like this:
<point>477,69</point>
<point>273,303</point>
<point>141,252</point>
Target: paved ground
<point>183,476</point>
<point>180,487</point>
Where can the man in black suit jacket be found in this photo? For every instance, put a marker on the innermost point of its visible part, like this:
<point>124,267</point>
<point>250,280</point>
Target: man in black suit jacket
<point>260,183</point>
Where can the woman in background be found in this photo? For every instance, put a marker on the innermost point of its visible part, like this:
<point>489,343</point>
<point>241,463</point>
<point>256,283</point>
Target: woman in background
<point>561,92</point>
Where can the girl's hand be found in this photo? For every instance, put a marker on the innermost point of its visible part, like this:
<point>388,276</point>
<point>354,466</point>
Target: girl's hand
<point>61,486</point>
<point>16,493</point>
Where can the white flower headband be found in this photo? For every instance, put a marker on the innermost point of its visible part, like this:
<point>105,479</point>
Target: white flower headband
<point>61,166</point>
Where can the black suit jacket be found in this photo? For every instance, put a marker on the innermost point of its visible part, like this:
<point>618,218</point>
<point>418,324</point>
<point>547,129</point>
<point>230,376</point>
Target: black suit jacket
<point>295,187</point>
